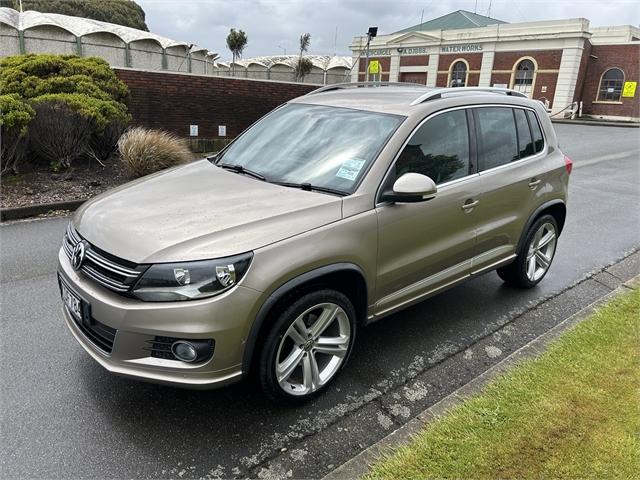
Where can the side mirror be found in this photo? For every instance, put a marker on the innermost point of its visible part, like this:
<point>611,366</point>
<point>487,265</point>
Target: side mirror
<point>411,188</point>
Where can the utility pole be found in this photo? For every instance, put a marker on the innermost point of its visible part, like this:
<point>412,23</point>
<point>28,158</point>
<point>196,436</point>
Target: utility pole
<point>20,6</point>
<point>373,31</point>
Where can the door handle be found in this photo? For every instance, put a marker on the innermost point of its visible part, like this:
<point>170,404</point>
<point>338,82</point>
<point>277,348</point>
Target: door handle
<point>534,183</point>
<point>468,205</point>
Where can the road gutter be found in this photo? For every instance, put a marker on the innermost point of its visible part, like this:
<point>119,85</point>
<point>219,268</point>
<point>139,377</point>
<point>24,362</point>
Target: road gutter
<point>359,465</point>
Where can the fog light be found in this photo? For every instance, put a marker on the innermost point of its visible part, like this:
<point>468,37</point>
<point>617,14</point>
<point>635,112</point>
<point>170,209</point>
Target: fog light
<point>191,351</point>
<point>184,351</point>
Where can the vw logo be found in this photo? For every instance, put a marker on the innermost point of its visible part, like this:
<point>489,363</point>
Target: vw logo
<point>79,252</point>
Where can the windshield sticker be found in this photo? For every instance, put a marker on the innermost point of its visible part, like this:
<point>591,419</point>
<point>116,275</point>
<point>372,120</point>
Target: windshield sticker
<point>350,169</point>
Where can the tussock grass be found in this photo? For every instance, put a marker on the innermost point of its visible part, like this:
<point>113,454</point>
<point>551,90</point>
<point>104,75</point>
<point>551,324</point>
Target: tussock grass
<point>572,413</point>
<point>144,151</point>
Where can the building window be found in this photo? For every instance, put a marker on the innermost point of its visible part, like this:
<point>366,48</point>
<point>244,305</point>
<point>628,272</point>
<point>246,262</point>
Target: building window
<point>458,74</point>
<point>523,79</point>
<point>611,83</point>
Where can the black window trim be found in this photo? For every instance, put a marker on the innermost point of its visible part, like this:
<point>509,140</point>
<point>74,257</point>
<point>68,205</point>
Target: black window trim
<point>536,155</point>
<point>473,160</point>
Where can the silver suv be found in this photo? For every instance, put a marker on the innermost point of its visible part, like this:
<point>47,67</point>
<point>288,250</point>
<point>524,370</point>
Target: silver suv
<point>335,210</point>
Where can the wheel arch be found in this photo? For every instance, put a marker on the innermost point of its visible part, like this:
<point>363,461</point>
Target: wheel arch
<point>556,208</point>
<point>347,278</point>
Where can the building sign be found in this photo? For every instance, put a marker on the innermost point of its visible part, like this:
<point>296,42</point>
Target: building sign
<point>193,130</point>
<point>222,130</point>
<point>379,52</point>
<point>470,47</point>
<point>414,51</point>
<point>374,67</point>
<point>629,89</point>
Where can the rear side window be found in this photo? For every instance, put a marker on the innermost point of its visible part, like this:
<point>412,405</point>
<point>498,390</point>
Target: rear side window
<point>538,140</point>
<point>525,143</point>
<point>438,149</point>
<point>497,136</point>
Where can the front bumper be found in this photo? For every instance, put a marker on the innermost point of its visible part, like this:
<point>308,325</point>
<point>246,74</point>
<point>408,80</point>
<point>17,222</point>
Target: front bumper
<point>225,318</point>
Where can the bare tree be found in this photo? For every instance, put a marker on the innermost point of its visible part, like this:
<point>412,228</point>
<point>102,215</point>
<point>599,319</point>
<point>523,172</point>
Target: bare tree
<point>304,65</point>
<point>236,42</point>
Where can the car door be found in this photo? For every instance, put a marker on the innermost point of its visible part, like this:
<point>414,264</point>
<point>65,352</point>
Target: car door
<point>427,245</point>
<point>512,173</point>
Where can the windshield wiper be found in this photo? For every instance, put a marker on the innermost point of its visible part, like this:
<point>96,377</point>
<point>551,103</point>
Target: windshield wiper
<point>312,188</point>
<point>243,170</point>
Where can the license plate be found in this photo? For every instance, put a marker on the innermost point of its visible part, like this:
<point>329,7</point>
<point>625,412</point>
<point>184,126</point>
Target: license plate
<point>71,301</point>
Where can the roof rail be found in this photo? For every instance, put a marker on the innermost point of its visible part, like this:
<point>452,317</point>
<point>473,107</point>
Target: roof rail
<point>341,86</point>
<point>438,92</point>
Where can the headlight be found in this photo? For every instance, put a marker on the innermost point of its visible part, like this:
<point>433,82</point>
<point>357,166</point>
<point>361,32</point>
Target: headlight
<point>169,282</point>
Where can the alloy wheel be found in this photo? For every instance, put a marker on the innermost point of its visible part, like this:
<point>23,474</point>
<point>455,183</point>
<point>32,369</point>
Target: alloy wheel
<point>313,348</point>
<point>540,252</point>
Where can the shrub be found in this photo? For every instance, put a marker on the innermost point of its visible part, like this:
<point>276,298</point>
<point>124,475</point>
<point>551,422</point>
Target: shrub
<point>121,12</point>
<point>15,115</point>
<point>84,92</point>
<point>145,151</point>
<point>59,134</point>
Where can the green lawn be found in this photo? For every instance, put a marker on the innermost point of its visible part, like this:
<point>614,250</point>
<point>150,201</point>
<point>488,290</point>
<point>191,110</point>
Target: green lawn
<point>574,412</point>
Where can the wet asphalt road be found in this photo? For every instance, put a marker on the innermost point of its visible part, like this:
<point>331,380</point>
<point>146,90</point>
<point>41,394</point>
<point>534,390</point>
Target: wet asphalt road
<point>63,416</point>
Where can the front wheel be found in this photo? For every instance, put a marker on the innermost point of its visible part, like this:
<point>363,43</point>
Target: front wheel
<point>535,255</point>
<point>307,346</point>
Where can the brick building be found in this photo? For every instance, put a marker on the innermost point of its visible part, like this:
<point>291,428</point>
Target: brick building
<point>558,61</point>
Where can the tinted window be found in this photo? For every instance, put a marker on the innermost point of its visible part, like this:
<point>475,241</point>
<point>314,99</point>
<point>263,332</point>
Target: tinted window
<point>325,146</point>
<point>438,149</point>
<point>497,136</point>
<point>525,143</point>
<point>538,140</point>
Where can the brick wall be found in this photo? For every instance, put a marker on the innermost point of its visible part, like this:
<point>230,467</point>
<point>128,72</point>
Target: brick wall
<point>414,60</point>
<point>625,57</point>
<point>173,101</point>
<point>474,60</point>
<point>546,59</point>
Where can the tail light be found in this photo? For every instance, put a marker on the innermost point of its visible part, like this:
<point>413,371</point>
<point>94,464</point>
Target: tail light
<point>568,164</point>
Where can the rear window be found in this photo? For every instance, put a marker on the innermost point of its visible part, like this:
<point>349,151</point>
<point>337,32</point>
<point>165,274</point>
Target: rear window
<point>497,136</point>
<point>538,140</point>
<point>525,143</point>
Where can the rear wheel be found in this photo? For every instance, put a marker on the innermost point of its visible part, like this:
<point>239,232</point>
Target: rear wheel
<point>535,255</point>
<point>307,347</point>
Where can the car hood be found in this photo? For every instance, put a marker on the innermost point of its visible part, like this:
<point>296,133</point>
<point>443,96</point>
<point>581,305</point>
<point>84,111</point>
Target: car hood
<point>199,211</point>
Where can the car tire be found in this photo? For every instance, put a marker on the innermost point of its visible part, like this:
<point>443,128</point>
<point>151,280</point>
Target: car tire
<point>295,364</point>
<point>534,256</point>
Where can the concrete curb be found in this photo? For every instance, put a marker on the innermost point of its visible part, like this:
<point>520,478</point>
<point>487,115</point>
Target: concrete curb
<point>18,213</point>
<point>359,465</point>
<point>597,123</point>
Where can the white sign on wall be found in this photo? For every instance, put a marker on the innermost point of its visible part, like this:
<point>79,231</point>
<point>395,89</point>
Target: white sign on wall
<point>222,130</point>
<point>193,130</point>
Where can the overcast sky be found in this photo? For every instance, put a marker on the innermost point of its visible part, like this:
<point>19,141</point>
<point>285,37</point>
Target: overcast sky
<point>275,25</point>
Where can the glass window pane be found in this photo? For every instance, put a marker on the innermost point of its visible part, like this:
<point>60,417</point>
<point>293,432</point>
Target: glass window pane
<point>538,139</point>
<point>525,143</point>
<point>498,140</point>
<point>611,85</point>
<point>325,146</point>
<point>459,74</point>
<point>438,149</point>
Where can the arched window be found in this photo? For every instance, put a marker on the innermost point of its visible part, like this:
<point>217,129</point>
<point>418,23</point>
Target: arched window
<point>611,85</point>
<point>458,74</point>
<point>523,78</point>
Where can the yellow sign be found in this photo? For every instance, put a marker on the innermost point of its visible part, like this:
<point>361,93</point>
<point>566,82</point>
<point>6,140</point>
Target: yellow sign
<point>629,89</point>
<point>374,67</point>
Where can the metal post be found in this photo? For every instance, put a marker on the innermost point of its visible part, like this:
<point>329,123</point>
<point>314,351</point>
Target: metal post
<point>366,69</point>
<point>79,46</point>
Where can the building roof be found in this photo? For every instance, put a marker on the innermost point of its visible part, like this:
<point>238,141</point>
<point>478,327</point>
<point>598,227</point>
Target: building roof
<point>453,21</point>
<point>324,62</point>
<point>80,26</point>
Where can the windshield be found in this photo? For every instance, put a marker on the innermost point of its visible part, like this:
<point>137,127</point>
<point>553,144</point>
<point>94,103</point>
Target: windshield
<point>326,147</point>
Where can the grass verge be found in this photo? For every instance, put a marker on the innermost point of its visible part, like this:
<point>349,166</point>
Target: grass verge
<point>573,412</point>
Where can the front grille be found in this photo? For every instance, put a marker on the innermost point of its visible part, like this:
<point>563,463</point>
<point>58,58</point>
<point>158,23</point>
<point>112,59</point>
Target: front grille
<point>102,336</point>
<point>111,272</point>
<point>160,347</point>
